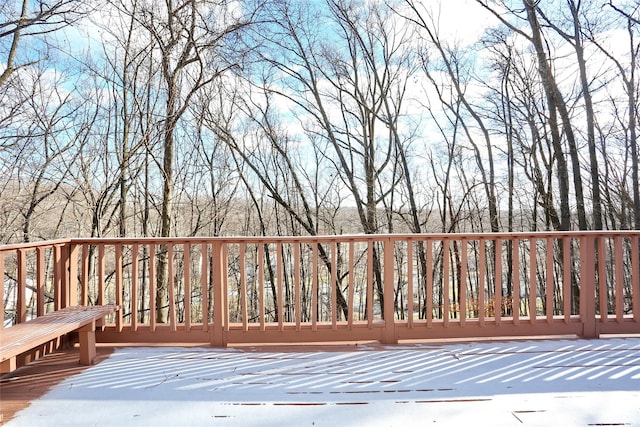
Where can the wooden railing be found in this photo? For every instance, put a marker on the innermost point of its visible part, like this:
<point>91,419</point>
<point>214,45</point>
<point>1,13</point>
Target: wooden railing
<point>335,288</point>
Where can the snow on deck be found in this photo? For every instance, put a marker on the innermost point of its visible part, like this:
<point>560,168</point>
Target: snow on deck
<point>509,383</point>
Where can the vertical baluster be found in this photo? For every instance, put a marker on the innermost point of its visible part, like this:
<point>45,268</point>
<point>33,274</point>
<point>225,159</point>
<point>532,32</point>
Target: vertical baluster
<point>463,280</point>
<point>64,268</point>
<point>225,287</point>
<point>40,280</point>
<point>219,268</point>
<point>21,309</point>
<point>566,278</point>
<point>85,274</point>
<point>58,293</point>
<point>410,283</point>
<point>152,287</point>
<point>101,299</point>
<point>352,266</point>
<point>314,287</point>
<point>482,274</point>
<point>204,285</point>
<point>370,281</point>
<point>602,279</point>
<point>446,282</point>
<point>533,279</point>
<point>243,286</point>
<point>497,295</point>
<point>515,280</point>
<point>134,287</point>
<point>619,269</point>
<point>171,286</point>
<point>297,285</point>
<point>118,287</point>
<point>280,294</point>
<point>187,285</point>
<point>261,283</point>
<point>333,284</point>
<point>429,284</point>
<point>550,288</point>
<point>72,278</point>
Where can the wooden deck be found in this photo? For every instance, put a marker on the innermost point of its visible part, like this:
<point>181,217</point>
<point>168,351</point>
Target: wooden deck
<point>569,382</point>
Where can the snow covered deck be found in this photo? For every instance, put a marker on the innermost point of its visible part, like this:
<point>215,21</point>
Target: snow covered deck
<point>568,382</point>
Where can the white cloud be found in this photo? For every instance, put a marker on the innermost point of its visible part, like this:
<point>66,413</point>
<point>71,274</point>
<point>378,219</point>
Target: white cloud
<point>459,22</point>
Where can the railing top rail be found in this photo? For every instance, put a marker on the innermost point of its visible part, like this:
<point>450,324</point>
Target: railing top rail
<point>325,238</point>
<point>360,237</point>
<point>34,245</point>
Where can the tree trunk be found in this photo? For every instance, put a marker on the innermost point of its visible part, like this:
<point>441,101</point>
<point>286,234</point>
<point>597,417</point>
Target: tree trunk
<point>546,78</point>
<point>588,103</point>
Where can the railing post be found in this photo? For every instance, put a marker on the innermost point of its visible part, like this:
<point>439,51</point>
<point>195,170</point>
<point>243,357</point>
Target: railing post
<point>84,280</point>
<point>218,338</point>
<point>40,280</point>
<point>21,308</point>
<point>59,279</point>
<point>587,287</point>
<point>118,285</point>
<point>72,278</point>
<point>389,334</point>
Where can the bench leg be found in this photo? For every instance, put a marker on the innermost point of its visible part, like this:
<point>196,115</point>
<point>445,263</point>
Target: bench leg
<point>87,335</point>
<point>8,365</point>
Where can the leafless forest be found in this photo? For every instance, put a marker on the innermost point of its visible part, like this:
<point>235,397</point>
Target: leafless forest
<point>141,118</point>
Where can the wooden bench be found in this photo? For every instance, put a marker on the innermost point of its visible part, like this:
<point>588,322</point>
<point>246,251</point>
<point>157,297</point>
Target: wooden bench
<point>23,337</point>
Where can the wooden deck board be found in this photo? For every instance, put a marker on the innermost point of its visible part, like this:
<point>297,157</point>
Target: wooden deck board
<point>20,387</point>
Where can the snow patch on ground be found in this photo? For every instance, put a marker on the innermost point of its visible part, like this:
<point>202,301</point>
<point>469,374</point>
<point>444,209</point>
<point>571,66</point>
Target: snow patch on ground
<point>548,382</point>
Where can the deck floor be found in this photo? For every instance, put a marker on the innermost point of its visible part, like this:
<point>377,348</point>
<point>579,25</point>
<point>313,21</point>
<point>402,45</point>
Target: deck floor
<point>569,382</point>
<point>21,387</point>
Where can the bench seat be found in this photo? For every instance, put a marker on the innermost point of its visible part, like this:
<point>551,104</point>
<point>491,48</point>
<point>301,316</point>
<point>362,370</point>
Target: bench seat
<point>23,337</point>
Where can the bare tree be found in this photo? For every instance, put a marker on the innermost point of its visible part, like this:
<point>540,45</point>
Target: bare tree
<point>352,90</point>
<point>266,155</point>
<point>461,105</point>
<point>557,106</point>
<point>25,19</point>
<point>42,140</point>
<point>576,37</point>
<point>190,37</point>
<point>628,75</point>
